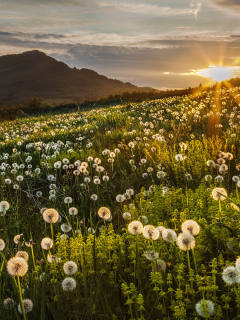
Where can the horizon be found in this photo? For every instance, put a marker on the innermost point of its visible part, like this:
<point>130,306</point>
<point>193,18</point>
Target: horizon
<point>166,45</point>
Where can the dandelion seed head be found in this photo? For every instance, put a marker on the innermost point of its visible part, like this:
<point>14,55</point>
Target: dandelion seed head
<point>47,243</point>
<point>27,304</point>
<point>169,235</point>
<point>205,308</point>
<point>219,194</point>
<point>190,226</point>
<point>69,284</point>
<point>51,215</point>
<point>231,275</point>
<point>17,267</point>
<point>22,254</point>
<point>135,227</point>
<point>159,266</point>
<point>2,244</point>
<point>150,232</point>
<point>70,268</point>
<point>104,213</point>
<point>185,241</point>
<point>151,255</point>
<point>8,303</point>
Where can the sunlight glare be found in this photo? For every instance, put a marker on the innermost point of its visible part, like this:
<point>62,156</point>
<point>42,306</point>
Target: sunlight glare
<point>216,73</point>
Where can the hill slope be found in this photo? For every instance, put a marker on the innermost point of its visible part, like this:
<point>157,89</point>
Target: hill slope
<point>33,73</point>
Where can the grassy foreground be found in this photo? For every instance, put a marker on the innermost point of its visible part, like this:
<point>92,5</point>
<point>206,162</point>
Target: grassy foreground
<point>126,212</point>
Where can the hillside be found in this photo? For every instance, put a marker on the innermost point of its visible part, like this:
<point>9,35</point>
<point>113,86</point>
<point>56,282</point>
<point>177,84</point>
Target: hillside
<point>33,73</point>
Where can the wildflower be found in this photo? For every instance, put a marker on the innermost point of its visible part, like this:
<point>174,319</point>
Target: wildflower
<point>135,227</point>
<point>169,235</point>
<point>190,226</point>
<point>185,241</point>
<point>231,275</point>
<point>228,155</point>
<point>127,215</point>
<point>70,268</point>
<point>210,163</point>
<point>179,157</point>
<point>205,308</point>
<point>17,238</point>
<point>219,178</point>
<point>161,174</point>
<point>94,197</point>
<point>27,304</point>
<point>160,230</point>
<point>22,254</point>
<point>2,245</point>
<point>208,177</point>
<point>73,211</point>
<point>219,194</point>
<point>50,215</point>
<point>64,236</point>
<point>17,267</point>
<point>4,206</point>
<point>150,232</point>
<point>120,198</point>
<point>46,243</point>
<point>235,178</point>
<point>8,303</point>
<point>68,200</point>
<point>151,255</point>
<point>104,213</point>
<point>69,284</point>
<point>159,266</point>
<point>66,227</point>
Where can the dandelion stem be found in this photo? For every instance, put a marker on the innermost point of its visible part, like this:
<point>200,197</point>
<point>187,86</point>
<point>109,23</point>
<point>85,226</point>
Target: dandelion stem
<point>21,299</point>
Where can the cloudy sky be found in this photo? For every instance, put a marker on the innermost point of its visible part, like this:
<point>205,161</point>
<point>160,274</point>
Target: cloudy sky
<point>157,43</point>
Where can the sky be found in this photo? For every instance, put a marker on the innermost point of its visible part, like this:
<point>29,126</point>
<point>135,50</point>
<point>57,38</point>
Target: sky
<point>155,43</point>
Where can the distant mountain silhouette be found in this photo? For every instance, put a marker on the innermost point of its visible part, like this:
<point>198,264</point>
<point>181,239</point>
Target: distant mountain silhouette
<point>33,74</point>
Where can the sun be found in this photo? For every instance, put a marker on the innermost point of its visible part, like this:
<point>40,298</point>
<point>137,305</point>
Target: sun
<point>216,73</point>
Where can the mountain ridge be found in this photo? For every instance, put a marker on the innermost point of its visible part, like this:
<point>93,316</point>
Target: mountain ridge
<point>34,73</point>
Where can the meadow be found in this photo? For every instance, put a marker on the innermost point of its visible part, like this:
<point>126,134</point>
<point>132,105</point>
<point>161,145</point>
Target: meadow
<point>124,212</point>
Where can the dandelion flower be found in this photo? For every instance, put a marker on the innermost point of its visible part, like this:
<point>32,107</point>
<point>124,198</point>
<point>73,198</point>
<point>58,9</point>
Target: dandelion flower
<point>4,206</point>
<point>8,303</point>
<point>231,275</point>
<point>219,194</point>
<point>47,243</point>
<point>205,308</point>
<point>17,267</point>
<point>2,245</point>
<point>66,227</point>
<point>73,211</point>
<point>232,244</point>
<point>120,198</point>
<point>190,226</point>
<point>69,284</point>
<point>234,206</point>
<point>159,266</point>
<point>135,227</point>
<point>151,255</point>
<point>160,229</point>
<point>50,215</point>
<point>104,213</point>
<point>17,238</point>
<point>169,235</point>
<point>127,215</point>
<point>185,241</point>
<point>27,304</point>
<point>150,232</point>
<point>70,268</point>
<point>51,258</point>
<point>22,254</point>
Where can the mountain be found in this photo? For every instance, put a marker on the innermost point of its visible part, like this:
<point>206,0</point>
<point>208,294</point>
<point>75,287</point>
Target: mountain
<point>34,74</point>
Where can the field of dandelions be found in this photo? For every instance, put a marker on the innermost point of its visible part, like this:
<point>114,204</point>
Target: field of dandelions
<point>124,212</point>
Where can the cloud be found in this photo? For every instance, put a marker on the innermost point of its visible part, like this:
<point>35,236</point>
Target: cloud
<point>148,9</point>
<point>228,3</point>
